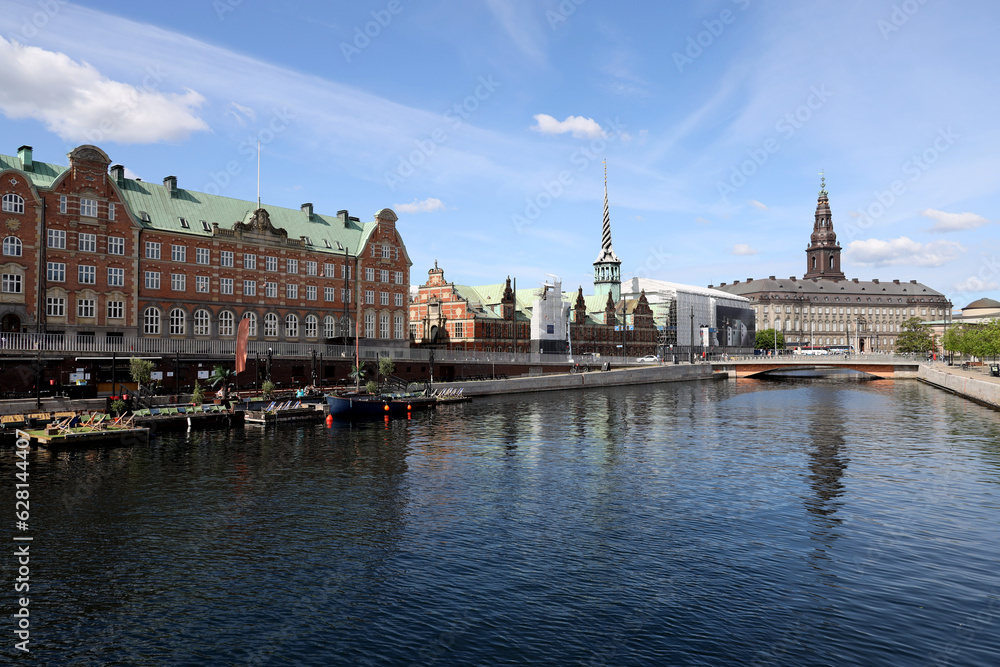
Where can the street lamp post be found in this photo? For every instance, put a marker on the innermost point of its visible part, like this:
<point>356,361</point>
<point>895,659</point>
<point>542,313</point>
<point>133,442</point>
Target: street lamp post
<point>691,345</point>
<point>268,366</point>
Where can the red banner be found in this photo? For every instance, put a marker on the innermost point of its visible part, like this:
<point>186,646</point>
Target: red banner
<point>242,334</point>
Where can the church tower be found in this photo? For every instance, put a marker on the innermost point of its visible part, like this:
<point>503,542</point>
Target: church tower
<point>823,253</point>
<point>607,268</point>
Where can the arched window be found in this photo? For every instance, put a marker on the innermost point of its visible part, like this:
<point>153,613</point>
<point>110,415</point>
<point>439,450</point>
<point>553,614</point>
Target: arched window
<point>202,322</point>
<point>151,321</point>
<point>312,326</point>
<point>226,321</point>
<point>12,246</point>
<point>271,325</point>
<point>329,326</point>
<point>383,325</point>
<point>178,322</point>
<point>291,325</point>
<point>13,204</point>
<point>253,323</point>
<point>814,262</point>
<point>832,262</point>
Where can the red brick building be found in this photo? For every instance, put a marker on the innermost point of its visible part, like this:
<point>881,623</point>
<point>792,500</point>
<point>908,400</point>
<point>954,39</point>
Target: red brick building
<point>90,253</point>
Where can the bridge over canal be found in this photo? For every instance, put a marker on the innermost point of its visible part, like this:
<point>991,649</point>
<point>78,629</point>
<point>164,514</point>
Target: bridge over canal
<point>882,366</point>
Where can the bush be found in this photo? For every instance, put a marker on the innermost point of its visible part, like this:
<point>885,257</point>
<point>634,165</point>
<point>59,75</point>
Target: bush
<point>372,387</point>
<point>267,388</point>
<point>198,395</point>
<point>118,406</point>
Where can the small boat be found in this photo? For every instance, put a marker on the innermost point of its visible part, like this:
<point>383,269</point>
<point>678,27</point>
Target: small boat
<point>366,405</point>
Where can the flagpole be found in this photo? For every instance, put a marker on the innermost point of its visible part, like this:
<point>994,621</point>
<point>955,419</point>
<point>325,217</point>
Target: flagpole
<point>258,173</point>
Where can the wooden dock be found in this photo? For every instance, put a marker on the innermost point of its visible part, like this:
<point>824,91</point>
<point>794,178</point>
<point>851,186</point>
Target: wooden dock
<point>86,436</point>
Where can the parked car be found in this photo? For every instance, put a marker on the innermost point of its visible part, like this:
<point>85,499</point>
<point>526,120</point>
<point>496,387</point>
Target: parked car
<point>648,359</point>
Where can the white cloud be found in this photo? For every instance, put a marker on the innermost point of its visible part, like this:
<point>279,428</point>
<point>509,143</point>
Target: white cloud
<point>240,113</point>
<point>743,249</point>
<point>702,221</point>
<point>954,222</point>
<point>580,127</point>
<point>903,251</point>
<point>757,204</point>
<point>132,175</point>
<point>428,205</point>
<point>78,103</point>
<point>976,284</point>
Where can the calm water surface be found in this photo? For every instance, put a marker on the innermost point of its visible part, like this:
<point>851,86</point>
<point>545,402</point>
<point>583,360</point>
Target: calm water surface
<point>818,523</point>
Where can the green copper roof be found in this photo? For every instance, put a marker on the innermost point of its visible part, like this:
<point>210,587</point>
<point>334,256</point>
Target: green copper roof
<point>42,174</point>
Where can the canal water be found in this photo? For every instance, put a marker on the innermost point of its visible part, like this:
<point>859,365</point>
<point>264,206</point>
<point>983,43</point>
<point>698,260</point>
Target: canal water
<point>810,522</point>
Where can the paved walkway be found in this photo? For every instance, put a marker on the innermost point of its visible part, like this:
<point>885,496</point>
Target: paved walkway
<point>976,372</point>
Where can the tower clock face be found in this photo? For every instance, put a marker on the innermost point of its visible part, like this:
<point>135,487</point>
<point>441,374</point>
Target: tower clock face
<point>13,224</point>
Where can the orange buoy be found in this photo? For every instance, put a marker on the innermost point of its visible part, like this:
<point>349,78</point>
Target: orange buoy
<point>387,407</point>
<point>329,421</point>
<point>409,407</point>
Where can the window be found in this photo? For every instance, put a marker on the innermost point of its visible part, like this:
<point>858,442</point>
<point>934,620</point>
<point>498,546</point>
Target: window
<point>459,329</point>
<point>252,329</point>
<point>370,321</point>
<point>152,250</point>
<point>291,266</point>
<point>383,325</point>
<point>370,274</point>
<point>55,306</point>
<point>55,272</point>
<point>151,322</point>
<point>369,296</point>
<point>398,277</point>
<point>329,327</point>
<point>13,204</point>
<point>291,326</point>
<point>62,203</point>
<point>226,285</point>
<point>329,293</point>
<point>226,258</point>
<point>116,310</point>
<point>12,283</point>
<point>57,239</point>
<point>249,261</point>
<point>398,328</point>
<point>328,270</point>
<point>86,308</point>
<point>201,284</point>
<point>178,322</point>
<point>383,298</point>
<point>86,275</point>
<point>249,288</point>
<point>312,326</point>
<point>327,242</point>
<point>310,268</point>
<point>152,280</point>
<point>271,291</point>
<point>204,225</point>
<point>291,291</point>
<point>345,295</point>
<point>374,251</point>
<point>271,325</point>
<point>86,242</point>
<point>345,271</point>
<point>88,207</point>
<point>116,245</point>
<point>178,282</point>
<point>116,277</point>
<point>383,276</point>
<point>12,246</point>
<point>399,300</point>
<point>184,223</point>
<point>202,322</point>
<point>310,292</point>
<point>386,251</point>
<point>226,323</point>
<point>111,210</point>
<point>178,253</point>
<point>271,263</point>
<point>202,256</point>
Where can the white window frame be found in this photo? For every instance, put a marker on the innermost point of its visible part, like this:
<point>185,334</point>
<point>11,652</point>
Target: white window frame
<point>152,280</point>
<point>116,245</point>
<point>86,274</point>
<point>116,277</point>
<point>178,253</point>
<point>203,256</point>
<point>202,284</point>
<point>56,239</point>
<point>86,308</point>
<point>178,282</point>
<point>88,207</point>
<point>86,242</point>
<point>115,310</point>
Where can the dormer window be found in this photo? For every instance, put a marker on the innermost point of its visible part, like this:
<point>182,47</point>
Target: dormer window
<point>144,216</point>
<point>184,223</point>
<point>327,243</point>
<point>204,225</point>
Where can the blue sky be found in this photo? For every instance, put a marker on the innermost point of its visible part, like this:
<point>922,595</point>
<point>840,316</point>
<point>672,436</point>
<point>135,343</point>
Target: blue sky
<point>484,123</point>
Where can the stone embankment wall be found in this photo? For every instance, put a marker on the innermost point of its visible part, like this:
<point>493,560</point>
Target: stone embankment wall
<point>983,391</point>
<point>614,378</point>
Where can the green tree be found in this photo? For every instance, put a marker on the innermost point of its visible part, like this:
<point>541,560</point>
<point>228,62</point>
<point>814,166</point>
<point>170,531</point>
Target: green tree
<point>386,367</point>
<point>765,340</point>
<point>267,389</point>
<point>197,395</point>
<point>141,370</point>
<point>372,387</point>
<point>357,374</point>
<point>915,337</point>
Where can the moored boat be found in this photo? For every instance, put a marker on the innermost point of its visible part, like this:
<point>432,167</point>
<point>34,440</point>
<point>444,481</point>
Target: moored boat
<point>366,405</point>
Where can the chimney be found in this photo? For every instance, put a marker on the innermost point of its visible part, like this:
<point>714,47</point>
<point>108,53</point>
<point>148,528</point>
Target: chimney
<point>171,182</point>
<point>118,174</point>
<point>24,153</point>
<point>307,208</point>
<point>895,282</point>
<point>875,280</point>
<point>855,280</point>
<point>749,280</point>
<point>792,278</point>
<point>913,282</point>
<point>771,278</point>
<point>344,217</point>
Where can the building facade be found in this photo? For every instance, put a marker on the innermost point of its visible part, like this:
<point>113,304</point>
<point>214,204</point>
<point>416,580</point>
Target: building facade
<point>825,308</point>
<point>90,253</point>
